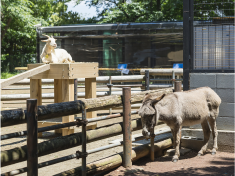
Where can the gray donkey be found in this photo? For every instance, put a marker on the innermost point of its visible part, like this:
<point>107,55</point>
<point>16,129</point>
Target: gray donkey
<point>179,109</point>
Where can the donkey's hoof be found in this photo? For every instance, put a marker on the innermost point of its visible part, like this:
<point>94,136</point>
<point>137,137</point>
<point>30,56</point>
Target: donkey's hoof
<point>213,153</point>
<point>174,160</point>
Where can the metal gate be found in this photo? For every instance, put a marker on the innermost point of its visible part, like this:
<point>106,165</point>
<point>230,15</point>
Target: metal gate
<point>208,37</point>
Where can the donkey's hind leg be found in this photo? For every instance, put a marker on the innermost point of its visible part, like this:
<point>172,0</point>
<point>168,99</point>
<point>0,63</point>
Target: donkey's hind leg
<point>177,134</point>
<point>212,123</point>
<point>206,132</point>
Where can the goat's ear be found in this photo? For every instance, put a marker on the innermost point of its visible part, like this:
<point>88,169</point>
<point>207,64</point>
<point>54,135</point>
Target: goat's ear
<point>55,39</point>
<point>51,36</point>
<point>44,40</point>
<point>154,101</point>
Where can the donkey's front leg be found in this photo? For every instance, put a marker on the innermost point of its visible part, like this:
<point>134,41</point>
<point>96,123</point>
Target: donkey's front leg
<point>177,134</point>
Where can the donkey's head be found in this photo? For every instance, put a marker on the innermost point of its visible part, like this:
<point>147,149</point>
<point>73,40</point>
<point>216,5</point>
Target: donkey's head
<point>148,113</point>
<point>50,41</point>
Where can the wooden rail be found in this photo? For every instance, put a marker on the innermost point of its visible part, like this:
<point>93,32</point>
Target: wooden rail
<point>24,75</point>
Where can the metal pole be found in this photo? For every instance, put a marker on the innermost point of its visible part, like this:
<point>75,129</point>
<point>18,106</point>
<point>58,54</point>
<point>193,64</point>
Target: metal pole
<point>110,92</point>
<point>38,47</point>
<point>75,92</point>
<point>32,138</point>
<point>173,78</point>
<point>152,145</point>
<point>83,142</point>
<point>146,79</point>
<point>178,86</point>
<point>127,140</point>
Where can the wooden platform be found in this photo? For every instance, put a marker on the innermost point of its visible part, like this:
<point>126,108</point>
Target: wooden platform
<point>64,75</point>
<point>68,71</point>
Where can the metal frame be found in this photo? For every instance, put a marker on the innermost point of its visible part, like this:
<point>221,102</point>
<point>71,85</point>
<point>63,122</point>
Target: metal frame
<point>188,42</point>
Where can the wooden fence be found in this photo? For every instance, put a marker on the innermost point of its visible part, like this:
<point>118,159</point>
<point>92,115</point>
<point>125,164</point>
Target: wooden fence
<point>106,85</point>
<point>34,113</point>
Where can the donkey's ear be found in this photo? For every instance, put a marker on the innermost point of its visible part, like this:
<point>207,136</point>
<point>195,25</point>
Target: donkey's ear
<point>154,101</point>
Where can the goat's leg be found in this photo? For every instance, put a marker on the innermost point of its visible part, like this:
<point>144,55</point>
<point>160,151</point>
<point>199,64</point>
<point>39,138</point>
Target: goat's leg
<point>177,143</point>
<point>212,123</point>
<point>206,132</point>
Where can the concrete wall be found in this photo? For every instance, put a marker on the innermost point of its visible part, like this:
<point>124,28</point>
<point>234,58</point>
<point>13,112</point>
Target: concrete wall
<point>223,85</point>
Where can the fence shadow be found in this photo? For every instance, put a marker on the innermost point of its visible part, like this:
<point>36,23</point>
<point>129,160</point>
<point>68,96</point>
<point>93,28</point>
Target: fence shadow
<point>223,167</point>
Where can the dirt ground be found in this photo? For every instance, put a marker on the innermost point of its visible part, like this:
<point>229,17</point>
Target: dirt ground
<point>221,164</point>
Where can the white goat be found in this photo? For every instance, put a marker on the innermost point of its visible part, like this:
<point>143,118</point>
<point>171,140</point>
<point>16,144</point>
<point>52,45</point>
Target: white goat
<point>52,55</point>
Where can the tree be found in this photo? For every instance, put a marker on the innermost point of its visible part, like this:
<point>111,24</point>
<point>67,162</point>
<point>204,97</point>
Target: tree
<point>18,32</point>
<point>137,10</point>
<point>132,12</point>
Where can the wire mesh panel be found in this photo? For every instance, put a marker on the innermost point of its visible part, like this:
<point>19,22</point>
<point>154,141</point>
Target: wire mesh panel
<point>139,45</point>
<point>213,35</point>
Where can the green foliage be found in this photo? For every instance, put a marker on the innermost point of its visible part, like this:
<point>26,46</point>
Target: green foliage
<point>132,12</point>
<point>5,75</point>
<point>137,10</point>
<point>172,10</point>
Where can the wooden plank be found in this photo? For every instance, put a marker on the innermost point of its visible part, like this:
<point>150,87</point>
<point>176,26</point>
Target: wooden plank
<point>67,95</point>
<point>57,71</point>
<point>21,68</point>
<point>90,92</point>
<point>24,75</point>
<point>84,70</point>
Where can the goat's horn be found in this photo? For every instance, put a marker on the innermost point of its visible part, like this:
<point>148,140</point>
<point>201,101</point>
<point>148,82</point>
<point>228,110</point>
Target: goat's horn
<point>46,35</point>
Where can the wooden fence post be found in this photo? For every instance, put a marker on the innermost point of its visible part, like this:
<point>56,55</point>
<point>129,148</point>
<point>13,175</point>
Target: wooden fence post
<point>127,139</point>
<point>32,137</point>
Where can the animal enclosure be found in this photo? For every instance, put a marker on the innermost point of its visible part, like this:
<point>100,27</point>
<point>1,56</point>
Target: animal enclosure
<point>209,26</point>
<point>140,45</point>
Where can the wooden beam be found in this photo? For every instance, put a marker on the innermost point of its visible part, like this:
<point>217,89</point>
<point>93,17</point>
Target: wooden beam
<point>90,92</point>
<point>24,75</point>
<point>36,93</point>
<point>67,94</point>
<point>36,90</point>
<point>21,68</point>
